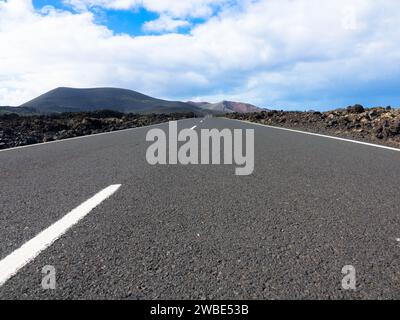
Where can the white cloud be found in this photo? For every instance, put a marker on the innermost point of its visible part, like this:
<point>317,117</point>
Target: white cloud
<point>268,52</point>
<point>172,8</point>
<point>164,24</point>
<point>108,4</point>
<point>181,9</point>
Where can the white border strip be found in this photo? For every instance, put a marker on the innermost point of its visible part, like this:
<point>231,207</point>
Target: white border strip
<point>320,135</point>
<point>11,264</point>
<point>88,136</point>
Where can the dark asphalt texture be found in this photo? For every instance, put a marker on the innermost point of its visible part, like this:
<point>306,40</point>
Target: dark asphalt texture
<point>312,206</point>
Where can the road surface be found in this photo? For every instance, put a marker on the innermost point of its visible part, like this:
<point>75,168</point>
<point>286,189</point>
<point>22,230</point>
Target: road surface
<point>312,206</point>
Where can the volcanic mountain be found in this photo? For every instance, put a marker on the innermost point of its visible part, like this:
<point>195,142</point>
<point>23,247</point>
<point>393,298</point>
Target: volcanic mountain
<point>122,100</point>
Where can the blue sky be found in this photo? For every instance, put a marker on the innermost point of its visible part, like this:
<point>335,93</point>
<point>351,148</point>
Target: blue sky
<point>129,21</point>
<point>284,54</point>
<point>119,21</point>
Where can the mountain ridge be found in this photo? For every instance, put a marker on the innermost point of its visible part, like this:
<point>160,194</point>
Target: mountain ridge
<point>66,99</point>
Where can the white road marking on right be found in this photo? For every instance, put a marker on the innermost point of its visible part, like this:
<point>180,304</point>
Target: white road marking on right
<point>11,264</point>
<point>320,135</point>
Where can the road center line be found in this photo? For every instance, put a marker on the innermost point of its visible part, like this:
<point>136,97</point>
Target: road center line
<point>11,264</point>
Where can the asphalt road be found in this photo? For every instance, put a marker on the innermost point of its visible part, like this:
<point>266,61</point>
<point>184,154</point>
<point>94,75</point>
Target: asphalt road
<point>312,206</point>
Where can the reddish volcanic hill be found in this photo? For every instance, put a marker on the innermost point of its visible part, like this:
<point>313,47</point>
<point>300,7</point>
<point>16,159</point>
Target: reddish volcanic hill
<point>228,106</point>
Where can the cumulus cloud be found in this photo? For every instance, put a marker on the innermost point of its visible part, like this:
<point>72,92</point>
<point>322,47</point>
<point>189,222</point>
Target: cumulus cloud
<point>164,23</point>
<point>108,4</point>
<point>172,8</point>
<point>274,53</point>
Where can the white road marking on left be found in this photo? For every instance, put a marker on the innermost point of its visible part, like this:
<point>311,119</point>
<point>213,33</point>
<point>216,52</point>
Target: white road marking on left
<point>11,264</point>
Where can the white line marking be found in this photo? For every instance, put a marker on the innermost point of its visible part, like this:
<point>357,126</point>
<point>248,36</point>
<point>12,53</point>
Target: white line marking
<point>321,135</point>
<point>193,128</point>
<point>87,136</point>
<point>11,264</point>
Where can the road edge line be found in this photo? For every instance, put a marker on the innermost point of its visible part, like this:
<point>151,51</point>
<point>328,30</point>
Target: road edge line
<point>87,136</point>
<point>319,135</point>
